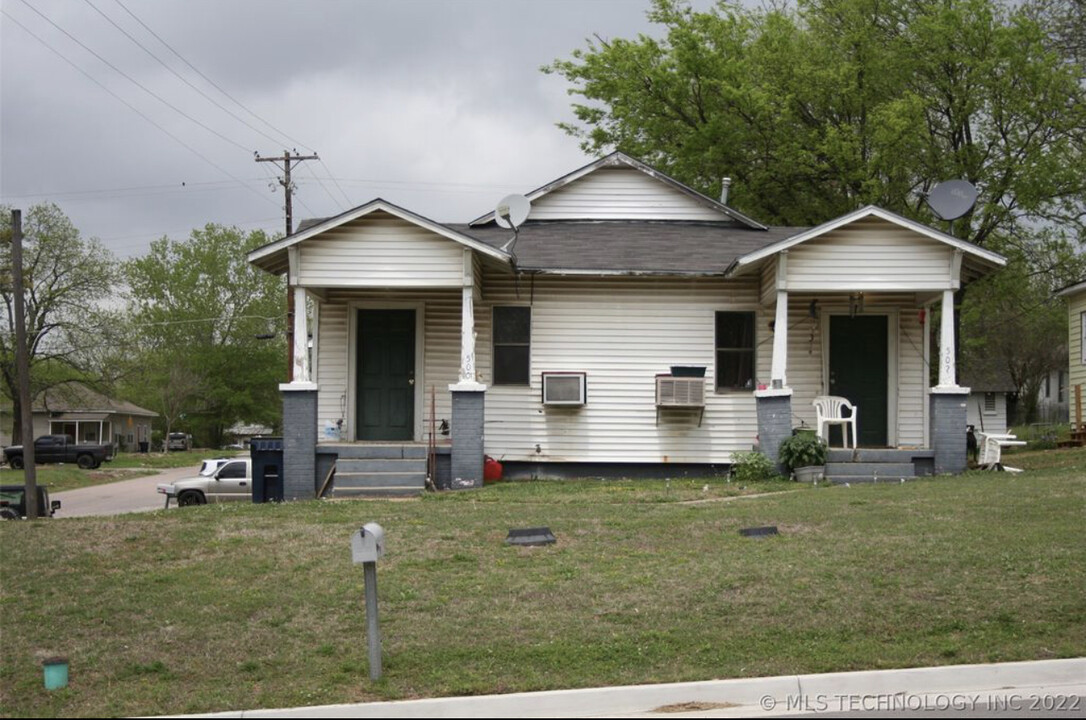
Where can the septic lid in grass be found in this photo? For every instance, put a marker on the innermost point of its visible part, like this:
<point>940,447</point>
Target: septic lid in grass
<point>530,536</point>
<point>759,531</point>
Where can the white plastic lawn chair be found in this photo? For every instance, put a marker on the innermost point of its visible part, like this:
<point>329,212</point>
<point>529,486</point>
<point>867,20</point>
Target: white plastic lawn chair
<point>830,410</point>
<point>990,450</point>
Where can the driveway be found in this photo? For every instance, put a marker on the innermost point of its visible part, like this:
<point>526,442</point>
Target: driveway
<point>117,498</point>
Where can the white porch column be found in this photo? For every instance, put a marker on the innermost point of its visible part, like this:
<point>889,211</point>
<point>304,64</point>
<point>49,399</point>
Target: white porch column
<point>467,322</point>
<point>948,372</point>
<point>301,338</point>
<point>468,405</point>
<point>467,336</point>
<point>779,368</point>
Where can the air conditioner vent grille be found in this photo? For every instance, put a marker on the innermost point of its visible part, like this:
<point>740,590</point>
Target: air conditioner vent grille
<point>680,391</point>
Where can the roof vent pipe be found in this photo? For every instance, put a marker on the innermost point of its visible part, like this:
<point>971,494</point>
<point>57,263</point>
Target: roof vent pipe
<point>725,183</point>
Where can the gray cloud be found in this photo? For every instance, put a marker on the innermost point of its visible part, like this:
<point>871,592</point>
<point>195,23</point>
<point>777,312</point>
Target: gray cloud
<point>439,106</point>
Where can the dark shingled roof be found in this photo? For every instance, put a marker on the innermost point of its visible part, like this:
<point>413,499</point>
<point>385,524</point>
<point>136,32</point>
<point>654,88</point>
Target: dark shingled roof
<point>77,397</point>
<point>636,246</point>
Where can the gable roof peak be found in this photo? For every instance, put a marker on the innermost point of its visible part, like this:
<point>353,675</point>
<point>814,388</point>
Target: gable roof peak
<point>621,159</point>
<point>272,257</point>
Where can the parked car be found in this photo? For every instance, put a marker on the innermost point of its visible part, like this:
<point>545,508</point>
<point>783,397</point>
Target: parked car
<point>60,449</point>
<point>13,502</point>
<point>220,480</point>
<point>179,441</point>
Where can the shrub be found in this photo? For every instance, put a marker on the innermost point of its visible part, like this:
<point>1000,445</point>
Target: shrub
<point>752,467</point>
<point>802,450</point>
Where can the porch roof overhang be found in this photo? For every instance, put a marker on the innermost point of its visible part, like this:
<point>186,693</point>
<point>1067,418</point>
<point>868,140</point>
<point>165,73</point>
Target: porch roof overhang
<point>976,261</point>
<point>1072,289</point>
<point>79,417</point>
<point>273,257</point>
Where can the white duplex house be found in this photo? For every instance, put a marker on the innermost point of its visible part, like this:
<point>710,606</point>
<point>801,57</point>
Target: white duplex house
<point>553,352</point>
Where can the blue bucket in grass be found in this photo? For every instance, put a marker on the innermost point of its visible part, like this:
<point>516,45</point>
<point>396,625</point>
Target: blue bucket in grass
<point>56,673</point>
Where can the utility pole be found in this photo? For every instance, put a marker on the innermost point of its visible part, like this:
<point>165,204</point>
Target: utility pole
<point>285,163</point>
<point>22,365</point>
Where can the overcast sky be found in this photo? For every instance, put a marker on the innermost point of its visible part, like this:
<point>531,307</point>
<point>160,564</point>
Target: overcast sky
<point>437,106</point>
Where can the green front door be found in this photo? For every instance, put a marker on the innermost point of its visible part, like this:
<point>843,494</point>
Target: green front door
<point>386,375</point>
<point>859,371</point>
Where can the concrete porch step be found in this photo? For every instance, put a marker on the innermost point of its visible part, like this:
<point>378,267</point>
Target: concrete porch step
<point>878,455</point>
<point>379,469</point>
<point>882,470</point>
<point>379,491</point>
<point>362,484</point>
<point>347,466</point>
<point>377,451</point>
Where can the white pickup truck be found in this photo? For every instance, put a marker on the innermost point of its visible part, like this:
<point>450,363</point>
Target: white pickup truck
<point>220,480</point>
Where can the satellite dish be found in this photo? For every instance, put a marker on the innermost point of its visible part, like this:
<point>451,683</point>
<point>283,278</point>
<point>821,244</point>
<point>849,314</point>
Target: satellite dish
<point>952,199</point>
<point>512,211</point>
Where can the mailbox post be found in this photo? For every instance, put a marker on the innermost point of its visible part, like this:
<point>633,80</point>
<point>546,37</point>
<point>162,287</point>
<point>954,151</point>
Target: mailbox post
<point>367,545</point>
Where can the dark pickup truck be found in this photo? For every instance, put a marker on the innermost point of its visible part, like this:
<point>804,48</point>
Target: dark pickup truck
<point>60,449</point>
<point>13,502</point>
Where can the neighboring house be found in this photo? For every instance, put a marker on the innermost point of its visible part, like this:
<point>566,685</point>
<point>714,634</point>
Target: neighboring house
<point>551,350</point>
<point>990,404</point>
<point>1052,398</point>
<point>241,434</point>
<point>1076,344</point>
<point>90,417</point>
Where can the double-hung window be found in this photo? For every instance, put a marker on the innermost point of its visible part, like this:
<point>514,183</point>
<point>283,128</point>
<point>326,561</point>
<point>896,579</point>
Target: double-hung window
<point>512,344</point>
<point>735,351</point>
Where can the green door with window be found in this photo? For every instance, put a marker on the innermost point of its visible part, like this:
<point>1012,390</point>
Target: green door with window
<point>859,371</point>
<point>385,374</point>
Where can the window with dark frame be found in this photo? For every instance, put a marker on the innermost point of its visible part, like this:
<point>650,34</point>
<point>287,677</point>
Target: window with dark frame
<point>512,344</point>
<point>735,351</point>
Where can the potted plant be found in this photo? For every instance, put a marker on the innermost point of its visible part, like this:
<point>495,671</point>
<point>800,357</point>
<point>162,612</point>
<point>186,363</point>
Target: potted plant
<point>804,454</point>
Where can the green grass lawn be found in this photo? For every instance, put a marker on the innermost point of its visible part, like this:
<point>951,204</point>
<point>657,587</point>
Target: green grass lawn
<point>124,466</point>
<point>239,607</point>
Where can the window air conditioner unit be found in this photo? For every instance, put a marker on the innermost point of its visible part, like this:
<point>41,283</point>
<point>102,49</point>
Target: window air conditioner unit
<point>680,392</point>
<point>564,388</point>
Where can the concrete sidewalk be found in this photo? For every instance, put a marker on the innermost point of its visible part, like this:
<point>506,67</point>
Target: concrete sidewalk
<point>1043,688</point>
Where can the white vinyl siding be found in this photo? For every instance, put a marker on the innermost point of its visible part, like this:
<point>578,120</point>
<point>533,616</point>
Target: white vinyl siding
<point>808,358</point>
<point>621,194</point>
<point>621,332</point>
<point>980,418</point>
<point>380,250</point>
<point>869,255</point>
<point>1076,343</point>
<point>441,344</point>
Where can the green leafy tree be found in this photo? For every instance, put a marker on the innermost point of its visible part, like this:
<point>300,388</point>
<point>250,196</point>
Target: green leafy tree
<point>817,110</point>
<point>68,281</point>
<point>198,311</point>
<point>839,103</point>
<point>1015,325</point>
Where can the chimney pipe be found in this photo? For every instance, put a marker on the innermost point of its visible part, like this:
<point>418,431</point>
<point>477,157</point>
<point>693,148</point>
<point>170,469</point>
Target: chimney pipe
<point>725,183</point>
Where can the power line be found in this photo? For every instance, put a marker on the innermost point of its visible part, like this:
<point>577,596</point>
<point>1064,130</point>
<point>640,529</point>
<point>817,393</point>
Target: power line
<point>135,82</point>
<point>205,77</point>
<point>178,75</point>
<point>201,92</point>
<point>216,86</point>
<point>328,171</point>
<point>136,191</point>
<point>117,97</point>
<point>326,190</point>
